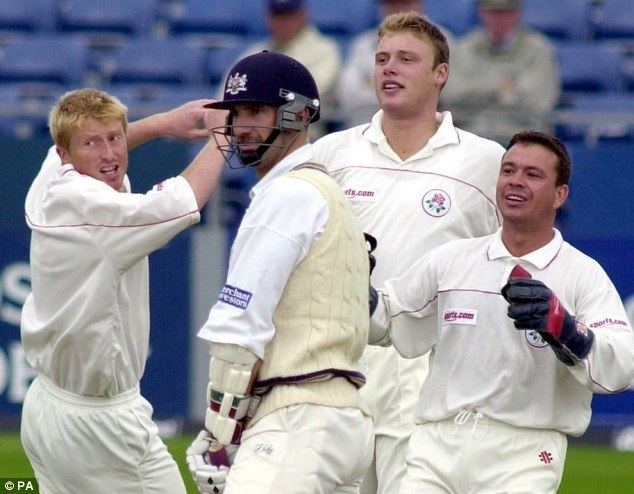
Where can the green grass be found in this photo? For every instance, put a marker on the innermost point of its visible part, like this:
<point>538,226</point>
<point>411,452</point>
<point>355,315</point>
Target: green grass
<point>589,470</point>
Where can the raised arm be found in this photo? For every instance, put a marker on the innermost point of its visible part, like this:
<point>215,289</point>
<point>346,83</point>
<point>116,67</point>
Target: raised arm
<point>188,121</point>
<point>184,122</point>
<point>203,173</point>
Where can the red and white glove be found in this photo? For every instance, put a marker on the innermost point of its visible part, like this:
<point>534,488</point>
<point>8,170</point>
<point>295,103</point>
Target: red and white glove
<point>532,305</point>
<point>209,462</point>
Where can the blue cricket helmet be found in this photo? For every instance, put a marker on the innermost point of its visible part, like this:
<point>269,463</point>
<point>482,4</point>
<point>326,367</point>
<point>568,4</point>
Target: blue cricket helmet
<point>266,78</point>
<point>273,79</point>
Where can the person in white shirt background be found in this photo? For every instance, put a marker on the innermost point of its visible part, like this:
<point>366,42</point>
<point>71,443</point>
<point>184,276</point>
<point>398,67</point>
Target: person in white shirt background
<point>523,329</point>
<point>85,326</point>
<point>415,181</point>
<point>291,322</point>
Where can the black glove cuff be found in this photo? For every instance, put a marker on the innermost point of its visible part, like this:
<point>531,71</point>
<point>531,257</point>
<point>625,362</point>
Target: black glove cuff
<point>576,337</point>
<point>374,300</point>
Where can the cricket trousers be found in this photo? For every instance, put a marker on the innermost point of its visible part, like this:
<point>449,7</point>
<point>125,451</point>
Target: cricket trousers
<point>303,449</point>
<point>79,445</point>
<point>469,453</point>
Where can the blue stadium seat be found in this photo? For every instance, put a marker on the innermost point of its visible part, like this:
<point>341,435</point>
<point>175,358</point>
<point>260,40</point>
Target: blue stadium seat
<point>219,60</point>
<point>10,109</point>
<point>235,17</point>
<point>628,72</point>
<point>116,16</point>
<point>156,60</point>
<point>23,110</point>
<point>47,58</point>
<point>338,18</point>
<point>28,15</point>
<point>146,99</point>
<point>561,19</point>
<point>167,97</point>
<point>600,116</point>
<point>614,19</point>
<point>619,101</point>
<point>590,66</point>
<point>459,16</point>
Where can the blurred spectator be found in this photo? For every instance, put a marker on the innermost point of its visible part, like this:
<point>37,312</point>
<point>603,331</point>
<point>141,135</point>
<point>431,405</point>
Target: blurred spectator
<point>292,34</point>
<point>503,76</point>
<point>355,90</point>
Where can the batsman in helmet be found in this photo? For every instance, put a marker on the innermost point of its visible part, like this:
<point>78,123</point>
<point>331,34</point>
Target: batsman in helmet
<point>286,333</point>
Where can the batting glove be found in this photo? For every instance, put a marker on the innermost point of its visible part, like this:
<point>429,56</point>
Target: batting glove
<point>373,299</point>
<point>532,305</point>
<point>209,462</point>
<point>371,245</point>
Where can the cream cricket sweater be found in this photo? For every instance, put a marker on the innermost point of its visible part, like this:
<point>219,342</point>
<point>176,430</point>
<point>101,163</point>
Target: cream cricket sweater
<point>321,322</point>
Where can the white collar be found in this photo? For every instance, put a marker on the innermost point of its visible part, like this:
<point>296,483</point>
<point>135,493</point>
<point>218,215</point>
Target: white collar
<point>539,258</point>
<point>445,135</point>
<point>301,155</point>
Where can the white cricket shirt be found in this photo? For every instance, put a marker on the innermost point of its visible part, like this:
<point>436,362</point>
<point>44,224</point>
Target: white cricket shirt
<point>443,192</point>
<point>86,323</point>
<point>450,302</point>
<point>285,216</point>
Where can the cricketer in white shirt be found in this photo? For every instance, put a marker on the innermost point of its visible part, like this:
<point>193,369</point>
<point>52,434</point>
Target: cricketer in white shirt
<point>85,329</point>
<point>273,239</point>
<point>483,368</point>
<point>286,217</point>
<point>443,192</point>
<point>86,324</point>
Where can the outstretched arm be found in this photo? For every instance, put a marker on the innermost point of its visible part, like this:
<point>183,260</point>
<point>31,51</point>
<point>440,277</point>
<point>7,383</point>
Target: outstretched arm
<point>184,122</point>
<point>204,171</point>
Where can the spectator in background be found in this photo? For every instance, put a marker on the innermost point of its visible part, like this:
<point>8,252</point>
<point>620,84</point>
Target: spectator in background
<point>355,89</point>
<point>504,77</point>
<point>293,35</point>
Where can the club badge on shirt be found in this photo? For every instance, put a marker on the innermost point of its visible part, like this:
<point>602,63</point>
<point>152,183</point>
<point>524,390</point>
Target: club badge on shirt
<point>534,339</point>
<point>235,296</point>
<point>436,203</point>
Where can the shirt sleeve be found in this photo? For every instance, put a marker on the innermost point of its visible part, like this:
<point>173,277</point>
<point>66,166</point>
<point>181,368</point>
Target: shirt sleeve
<point>128,227</point>
<point>276,233</point>
<point>410,303</point>
<point>609,367</point>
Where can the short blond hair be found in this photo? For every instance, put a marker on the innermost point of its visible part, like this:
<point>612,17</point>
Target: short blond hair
<point>74,107</point>
<point>420,27</point>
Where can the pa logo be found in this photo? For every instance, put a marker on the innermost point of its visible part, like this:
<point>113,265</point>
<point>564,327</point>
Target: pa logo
<point>534,339</point>
<point>436,203</point>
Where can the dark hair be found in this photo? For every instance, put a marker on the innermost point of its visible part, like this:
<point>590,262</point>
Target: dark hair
<point>564,166</point>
